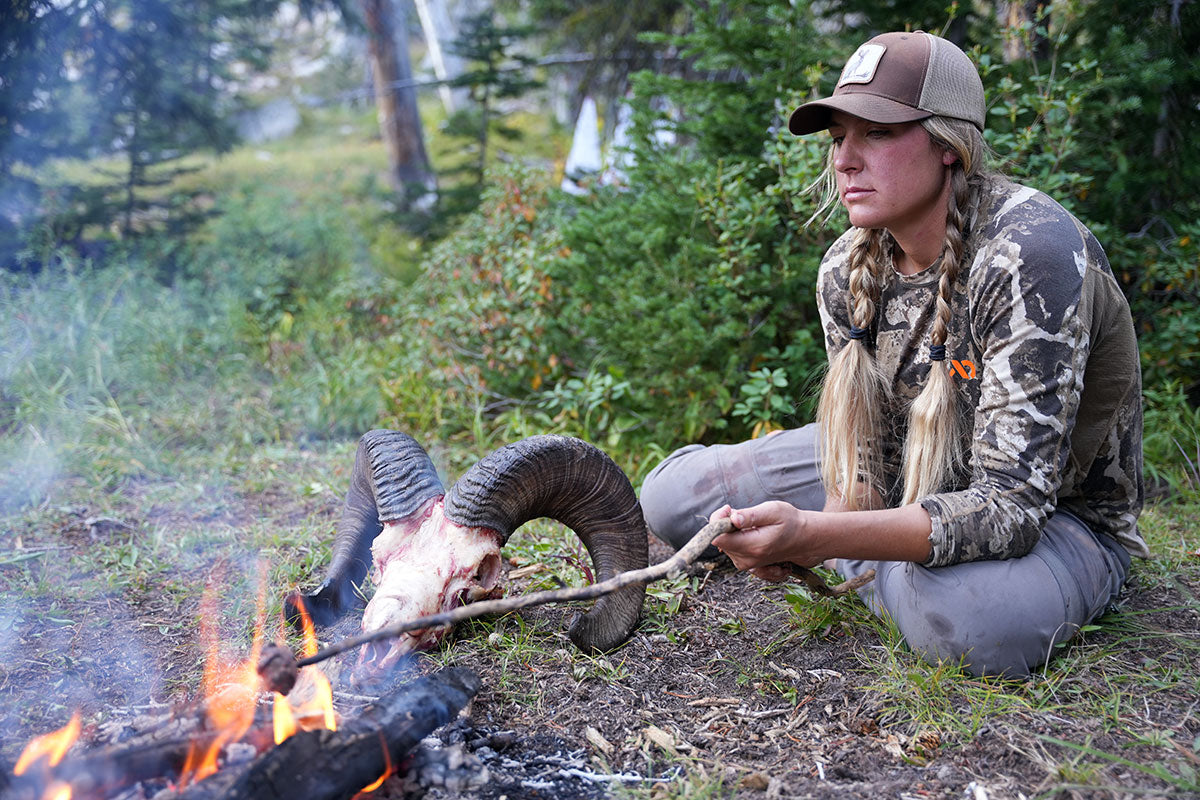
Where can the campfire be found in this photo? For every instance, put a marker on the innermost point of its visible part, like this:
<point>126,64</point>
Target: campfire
<point>267,728</point>
<point>245,742</point>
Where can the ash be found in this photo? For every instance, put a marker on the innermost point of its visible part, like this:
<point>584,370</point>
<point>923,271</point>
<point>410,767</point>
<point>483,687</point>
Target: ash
<point>462,760</point>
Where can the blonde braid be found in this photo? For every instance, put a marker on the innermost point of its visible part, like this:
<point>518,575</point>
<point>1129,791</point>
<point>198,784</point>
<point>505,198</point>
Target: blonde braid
<point>851,407</point>
<point>933,449</point>
<point>850,411</point>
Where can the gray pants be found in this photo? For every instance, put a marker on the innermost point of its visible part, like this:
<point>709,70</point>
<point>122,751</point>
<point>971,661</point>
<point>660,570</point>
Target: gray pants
<point>999,617</point>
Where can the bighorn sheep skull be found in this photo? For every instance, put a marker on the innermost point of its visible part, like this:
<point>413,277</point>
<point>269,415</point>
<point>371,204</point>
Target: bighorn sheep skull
<point>434,550</point>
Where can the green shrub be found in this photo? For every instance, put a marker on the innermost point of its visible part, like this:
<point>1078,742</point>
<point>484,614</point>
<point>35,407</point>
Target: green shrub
<point>700,272</point>
<point>486,306</point>
<point>1171,444</point>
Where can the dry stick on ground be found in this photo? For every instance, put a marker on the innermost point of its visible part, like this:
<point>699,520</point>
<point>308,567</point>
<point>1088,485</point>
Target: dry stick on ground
<point>277,664</point>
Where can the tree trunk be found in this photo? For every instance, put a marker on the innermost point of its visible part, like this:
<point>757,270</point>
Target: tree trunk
<point>399,122</point>
<point>1016,16</point>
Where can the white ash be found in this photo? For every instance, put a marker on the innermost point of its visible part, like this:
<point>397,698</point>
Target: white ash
<point>509,764</point>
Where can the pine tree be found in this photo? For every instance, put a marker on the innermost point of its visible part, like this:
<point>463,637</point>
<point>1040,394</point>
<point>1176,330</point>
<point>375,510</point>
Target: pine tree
<point>145,81</point>
<point>496,70</point>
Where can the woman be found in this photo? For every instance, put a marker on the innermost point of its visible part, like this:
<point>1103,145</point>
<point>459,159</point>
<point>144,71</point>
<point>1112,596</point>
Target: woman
<point>978,436</point>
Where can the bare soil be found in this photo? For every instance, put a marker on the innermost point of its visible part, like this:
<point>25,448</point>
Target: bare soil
<point>730,694</point>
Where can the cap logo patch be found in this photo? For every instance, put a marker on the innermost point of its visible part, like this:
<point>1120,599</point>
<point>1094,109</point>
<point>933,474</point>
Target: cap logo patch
<point>862,65</point>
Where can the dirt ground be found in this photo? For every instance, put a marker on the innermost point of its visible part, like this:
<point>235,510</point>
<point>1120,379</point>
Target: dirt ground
<point>726,695</point>
<point>708,709</point>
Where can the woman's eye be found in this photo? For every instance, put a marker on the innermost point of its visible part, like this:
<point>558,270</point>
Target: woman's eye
<point>837,140</point>
<point>878,132</point>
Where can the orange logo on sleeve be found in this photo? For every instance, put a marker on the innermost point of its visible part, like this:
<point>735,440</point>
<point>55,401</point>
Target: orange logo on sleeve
<point>965,369</point>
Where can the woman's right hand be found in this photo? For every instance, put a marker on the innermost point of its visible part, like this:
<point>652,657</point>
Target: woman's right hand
<point>770,537</point>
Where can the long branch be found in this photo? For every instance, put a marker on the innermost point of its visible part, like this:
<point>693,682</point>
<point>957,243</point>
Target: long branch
<point>685,556</point>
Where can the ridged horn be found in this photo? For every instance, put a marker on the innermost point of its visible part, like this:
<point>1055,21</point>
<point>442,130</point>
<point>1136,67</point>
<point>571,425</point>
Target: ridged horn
<point>575,483</point>
<point>393,478</point>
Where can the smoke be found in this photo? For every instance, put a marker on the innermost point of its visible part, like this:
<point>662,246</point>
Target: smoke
<point>60,660</point>
<point>28,464</point>
<point>27,475</point>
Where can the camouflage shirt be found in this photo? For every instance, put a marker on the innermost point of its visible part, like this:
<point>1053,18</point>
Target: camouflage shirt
<point>1045,363</point>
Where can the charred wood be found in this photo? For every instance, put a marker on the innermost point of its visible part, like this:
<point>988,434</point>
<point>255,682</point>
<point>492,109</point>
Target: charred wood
<point>158,753</point>
<point>329,765</point>
<point>310,764</point>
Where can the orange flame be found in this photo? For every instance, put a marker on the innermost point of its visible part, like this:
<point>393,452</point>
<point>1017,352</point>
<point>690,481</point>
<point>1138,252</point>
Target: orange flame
<point>52,746</point>
<point>58,791</point>
<point>317,712</point>
<point>284,719</point>
<point>388,769</point>
<point>49,749</point>
<point>230,690</point>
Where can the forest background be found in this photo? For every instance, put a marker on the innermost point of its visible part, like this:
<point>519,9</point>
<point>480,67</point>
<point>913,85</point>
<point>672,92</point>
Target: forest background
<point>188,314</point>
<point>671,304</point>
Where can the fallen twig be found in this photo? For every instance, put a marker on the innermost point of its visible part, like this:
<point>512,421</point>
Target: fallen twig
<point>813,581</point>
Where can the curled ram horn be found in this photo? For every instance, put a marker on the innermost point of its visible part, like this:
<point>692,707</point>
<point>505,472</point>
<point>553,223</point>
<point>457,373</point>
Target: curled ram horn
<point>394,480</point>
<point>432,553</point>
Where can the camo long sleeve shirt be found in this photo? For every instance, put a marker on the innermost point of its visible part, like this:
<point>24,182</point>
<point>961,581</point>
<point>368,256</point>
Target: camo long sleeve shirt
<point>1045,364</point>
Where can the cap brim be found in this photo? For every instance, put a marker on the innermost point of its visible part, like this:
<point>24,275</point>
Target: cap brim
<point>814,116</point>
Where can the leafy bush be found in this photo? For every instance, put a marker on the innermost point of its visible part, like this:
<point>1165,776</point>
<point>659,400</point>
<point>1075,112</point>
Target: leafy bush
<point>486,308</point>
<point>700,273</point>
<point>1172,440</point>
<point>691,287</point>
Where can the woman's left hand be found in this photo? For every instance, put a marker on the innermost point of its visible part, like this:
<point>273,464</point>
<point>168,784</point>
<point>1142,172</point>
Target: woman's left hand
<point>770,535</point>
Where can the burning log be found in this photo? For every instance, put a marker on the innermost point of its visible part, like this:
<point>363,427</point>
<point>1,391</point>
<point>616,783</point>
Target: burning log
<point>159,753</point>
<point>329,765</point>
<point>278,667</point>
<point>310,764</point>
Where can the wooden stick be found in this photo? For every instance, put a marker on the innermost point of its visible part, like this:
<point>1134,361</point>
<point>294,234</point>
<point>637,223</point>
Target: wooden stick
<point>813,581</point>
<point>674,565</point>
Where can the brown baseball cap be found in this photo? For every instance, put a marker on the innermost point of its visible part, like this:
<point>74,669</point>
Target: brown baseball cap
<point>900,77</point>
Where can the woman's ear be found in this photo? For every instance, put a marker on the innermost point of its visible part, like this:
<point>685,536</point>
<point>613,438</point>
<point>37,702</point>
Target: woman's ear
<point>949,157</point>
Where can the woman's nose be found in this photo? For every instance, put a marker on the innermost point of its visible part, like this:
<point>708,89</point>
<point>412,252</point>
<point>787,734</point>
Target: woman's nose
<point>845,157</point>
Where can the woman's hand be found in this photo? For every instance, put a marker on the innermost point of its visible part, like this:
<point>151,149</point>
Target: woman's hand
<point>770,536</point>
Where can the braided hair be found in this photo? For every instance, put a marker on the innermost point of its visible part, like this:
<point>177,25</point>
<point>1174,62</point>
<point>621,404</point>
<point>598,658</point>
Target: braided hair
<point>851,405</point>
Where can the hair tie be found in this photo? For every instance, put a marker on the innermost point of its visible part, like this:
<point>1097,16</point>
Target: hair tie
<point>857,332</point>
<point>937,352</point>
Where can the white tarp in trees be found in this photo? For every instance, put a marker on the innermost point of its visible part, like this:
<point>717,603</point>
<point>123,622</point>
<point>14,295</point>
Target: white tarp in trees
<point>440,33</point>
<point>617,156</point>
<point>584,162</point>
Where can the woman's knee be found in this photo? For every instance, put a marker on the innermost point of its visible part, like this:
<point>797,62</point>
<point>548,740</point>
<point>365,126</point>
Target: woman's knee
<point>668,504</point>
<point>1006,647</point>
<point>968,619</point>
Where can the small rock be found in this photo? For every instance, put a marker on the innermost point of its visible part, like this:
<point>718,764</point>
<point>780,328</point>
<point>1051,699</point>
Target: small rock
<point>756,781</point>
<point>501,740</point>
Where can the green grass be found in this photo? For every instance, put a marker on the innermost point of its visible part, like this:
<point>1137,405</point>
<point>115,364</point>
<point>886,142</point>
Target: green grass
<point>1099,681</point>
